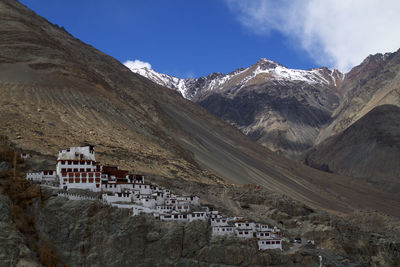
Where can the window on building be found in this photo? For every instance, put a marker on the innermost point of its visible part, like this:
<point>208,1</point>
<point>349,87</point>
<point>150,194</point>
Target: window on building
<point>278,242</point>
<point>81,169</point>
<point>63,162</point>
<point>88,169</point>
<point>267,242</point>
<point>76,170</point>
<point>69,162</point>
<point>63,170</point>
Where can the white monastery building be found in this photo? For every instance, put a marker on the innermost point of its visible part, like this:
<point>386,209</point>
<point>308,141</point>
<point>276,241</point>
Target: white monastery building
<point>77,168</point>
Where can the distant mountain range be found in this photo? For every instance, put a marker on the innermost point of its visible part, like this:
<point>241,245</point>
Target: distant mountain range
<point>292,111</point>
<point>283,109</point>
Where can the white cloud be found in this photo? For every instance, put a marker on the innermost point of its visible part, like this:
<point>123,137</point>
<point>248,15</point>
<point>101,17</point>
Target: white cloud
<point>336,33</point>
<point>137,64</point>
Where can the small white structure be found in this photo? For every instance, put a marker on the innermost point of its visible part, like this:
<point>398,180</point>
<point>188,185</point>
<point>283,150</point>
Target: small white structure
<point>264,235</point>
<point>144,189</point>
<point>246,225</point>
<point>42,176</point>
<point>148,203</point>
<point>117,197</point>
<point>197,215</point>
<point>164,208</point>
<point>270,244</point>
<point>174,217</point>
<point>76,197</point>
<point>245,233</point>
<point>223,230</point>
<point>264,228</point>
<point>219,221</point>
<point>137,210</point>
<point>25,155</point>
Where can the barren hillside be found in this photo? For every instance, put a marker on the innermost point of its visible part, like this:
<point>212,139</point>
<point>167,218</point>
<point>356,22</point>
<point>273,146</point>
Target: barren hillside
<point>56,91</point>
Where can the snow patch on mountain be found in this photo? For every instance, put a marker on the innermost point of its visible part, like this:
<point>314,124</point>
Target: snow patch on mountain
<point>190,87</point>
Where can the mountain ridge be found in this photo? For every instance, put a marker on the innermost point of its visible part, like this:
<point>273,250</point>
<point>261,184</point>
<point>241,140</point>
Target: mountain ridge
<point>281,108</point>
<point>216,80</point>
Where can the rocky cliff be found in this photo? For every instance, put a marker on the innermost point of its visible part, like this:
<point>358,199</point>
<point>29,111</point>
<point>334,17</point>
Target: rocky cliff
<point>373,83</point>
<point>54,231</point>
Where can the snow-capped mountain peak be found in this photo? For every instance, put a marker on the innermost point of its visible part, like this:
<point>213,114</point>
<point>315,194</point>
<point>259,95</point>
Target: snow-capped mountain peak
<point>264,69</point>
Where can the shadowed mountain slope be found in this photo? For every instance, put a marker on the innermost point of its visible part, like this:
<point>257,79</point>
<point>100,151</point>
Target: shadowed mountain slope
<point>56,91</point>
<point>375,82</point>
<point>369,148</point>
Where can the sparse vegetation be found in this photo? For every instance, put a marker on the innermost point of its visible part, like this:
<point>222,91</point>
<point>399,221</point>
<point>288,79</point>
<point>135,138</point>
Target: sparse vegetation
<point>23,195</point>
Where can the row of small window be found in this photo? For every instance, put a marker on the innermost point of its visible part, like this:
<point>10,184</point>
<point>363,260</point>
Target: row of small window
<point>270,242</point>
<point>84,174</point>
<point>242,224</point>
<point>264,234</point>
<point>76,162</point>
<point>83,180</point>
<point>246,233</point>
<point>123,194</point>
<point>76,170</point>
<point>227,229</point>
<point>217,221</point>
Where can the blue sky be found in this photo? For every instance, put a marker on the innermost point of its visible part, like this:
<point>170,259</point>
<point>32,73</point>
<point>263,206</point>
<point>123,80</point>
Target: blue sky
<point>192,38</point>
<point>178,37</point>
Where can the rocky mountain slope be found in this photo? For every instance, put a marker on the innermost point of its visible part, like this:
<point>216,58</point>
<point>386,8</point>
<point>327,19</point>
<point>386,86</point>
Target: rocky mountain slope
<point>375,82</point>
<point>58,92</point>
<point>283,109</point>
<point>362,139</point>
<point>369,148</point>
<point>38,228</point>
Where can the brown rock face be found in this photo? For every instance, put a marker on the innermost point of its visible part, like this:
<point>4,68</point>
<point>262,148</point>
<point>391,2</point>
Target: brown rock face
<point>373,83</point>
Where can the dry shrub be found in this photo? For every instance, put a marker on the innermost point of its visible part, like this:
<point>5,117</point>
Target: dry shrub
<point>23,193</point>
<point>47,255</point>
